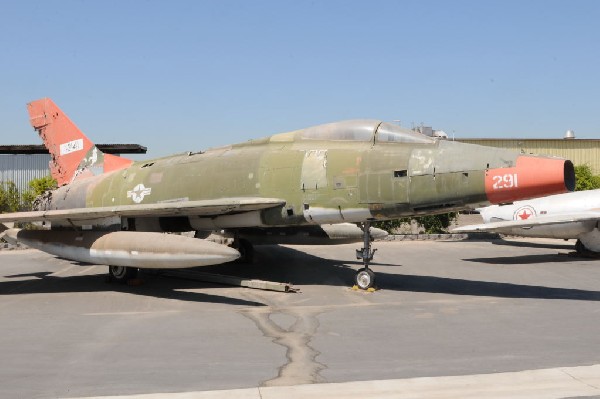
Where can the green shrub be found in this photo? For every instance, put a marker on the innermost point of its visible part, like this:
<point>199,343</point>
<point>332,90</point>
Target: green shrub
<point>10,200</point>
<point>432,224</point>
<point>37,187</point>
<point>584,179</point>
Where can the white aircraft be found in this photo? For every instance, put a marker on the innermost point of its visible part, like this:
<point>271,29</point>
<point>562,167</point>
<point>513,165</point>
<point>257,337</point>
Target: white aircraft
<point>570,215</point>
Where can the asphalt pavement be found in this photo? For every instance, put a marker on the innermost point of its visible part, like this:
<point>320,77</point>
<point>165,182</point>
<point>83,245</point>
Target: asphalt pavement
<point>443,309</point>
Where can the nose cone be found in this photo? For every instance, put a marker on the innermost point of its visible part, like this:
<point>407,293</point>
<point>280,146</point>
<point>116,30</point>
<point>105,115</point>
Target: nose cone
<point>531,177</point>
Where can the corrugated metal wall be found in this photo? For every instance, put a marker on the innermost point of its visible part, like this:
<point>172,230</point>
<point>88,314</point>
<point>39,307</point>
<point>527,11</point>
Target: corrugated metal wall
<point>22,168</point>
<point>579,151</point>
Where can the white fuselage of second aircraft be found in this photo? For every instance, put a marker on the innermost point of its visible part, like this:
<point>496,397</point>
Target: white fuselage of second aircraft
<point>570,215</point>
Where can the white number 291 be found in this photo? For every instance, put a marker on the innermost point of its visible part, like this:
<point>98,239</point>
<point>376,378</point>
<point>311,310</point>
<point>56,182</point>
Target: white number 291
<point>505,181</point>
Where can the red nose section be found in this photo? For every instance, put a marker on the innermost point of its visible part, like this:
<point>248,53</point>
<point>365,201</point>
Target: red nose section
<point>532,177</point>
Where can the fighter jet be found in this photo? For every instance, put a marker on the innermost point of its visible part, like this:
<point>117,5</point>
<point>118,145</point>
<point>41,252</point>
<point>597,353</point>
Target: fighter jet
<point>570,215</point>
<point>113,211</point>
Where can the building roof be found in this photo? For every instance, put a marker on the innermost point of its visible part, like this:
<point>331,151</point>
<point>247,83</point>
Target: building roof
<point>40,149</point>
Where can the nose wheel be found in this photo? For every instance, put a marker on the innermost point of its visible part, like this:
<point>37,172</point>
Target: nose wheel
<point>365,277</point>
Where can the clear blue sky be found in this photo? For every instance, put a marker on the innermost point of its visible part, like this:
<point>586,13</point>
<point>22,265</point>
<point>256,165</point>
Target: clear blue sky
<point>187,75</point>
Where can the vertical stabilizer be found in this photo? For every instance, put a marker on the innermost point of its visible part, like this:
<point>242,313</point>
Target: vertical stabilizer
<point>72,154</point>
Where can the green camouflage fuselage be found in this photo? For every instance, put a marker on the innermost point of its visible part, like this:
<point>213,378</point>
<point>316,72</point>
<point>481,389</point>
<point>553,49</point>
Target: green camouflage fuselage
<point>322,177</point>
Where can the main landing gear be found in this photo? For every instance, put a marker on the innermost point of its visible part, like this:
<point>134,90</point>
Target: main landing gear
<point>122,274</point>
<point>245,249</point>
<point>580,248</point>
<point>584,251</point>
<point>365,277</point>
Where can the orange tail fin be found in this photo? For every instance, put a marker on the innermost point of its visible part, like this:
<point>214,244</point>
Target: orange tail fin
<point>72,154</point>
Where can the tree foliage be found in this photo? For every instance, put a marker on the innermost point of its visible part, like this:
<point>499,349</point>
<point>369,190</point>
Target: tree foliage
<point>37,187</point>
<point>436,224</point>
<point>432,224</point>
<point>584,179</point>
<point>13,201</point>
<point>391,225</point>
<point>10,200</point>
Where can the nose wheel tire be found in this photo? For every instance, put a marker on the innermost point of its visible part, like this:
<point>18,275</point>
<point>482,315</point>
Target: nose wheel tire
<point>121,274</point>
<point>365,279</point>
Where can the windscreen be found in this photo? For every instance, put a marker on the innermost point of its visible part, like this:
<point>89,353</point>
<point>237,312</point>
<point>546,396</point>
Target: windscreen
<point>358,130</point>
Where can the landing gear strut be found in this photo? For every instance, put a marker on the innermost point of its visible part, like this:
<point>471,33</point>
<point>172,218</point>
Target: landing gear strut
<point>365,278</point>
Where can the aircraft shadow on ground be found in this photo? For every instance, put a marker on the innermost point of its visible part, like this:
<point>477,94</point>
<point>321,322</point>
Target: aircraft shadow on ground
<point>527,259</point>
<point>444,285</point>
<point>285,264</point>
<point>290,265</point>
<point>45,283</point>
<point>560,244</point>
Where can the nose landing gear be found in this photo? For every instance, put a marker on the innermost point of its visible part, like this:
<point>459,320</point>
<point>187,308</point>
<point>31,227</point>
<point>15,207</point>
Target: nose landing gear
<point>365,277</point>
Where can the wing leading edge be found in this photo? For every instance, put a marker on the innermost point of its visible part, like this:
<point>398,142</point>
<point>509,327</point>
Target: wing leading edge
<point>215,207</point>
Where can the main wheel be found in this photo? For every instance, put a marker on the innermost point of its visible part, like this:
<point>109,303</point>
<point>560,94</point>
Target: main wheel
<point>246,251</point>
<point>365,278</point>
<point>121,274</point>
<point>580,248</point>
<point>202,234</point>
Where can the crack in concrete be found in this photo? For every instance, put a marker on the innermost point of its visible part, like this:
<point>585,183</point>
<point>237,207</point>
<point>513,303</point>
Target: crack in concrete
<point>301,366</point>
<point>578,380</point>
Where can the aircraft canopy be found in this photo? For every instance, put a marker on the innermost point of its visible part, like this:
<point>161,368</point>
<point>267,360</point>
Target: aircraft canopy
<point>363,130</point>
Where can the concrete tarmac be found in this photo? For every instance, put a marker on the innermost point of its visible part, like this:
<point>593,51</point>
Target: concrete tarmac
<point>443,309</point>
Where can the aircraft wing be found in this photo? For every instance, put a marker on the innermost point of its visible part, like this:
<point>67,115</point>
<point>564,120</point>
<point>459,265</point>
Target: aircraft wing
<point>529,223</point>
<point>214,207</point>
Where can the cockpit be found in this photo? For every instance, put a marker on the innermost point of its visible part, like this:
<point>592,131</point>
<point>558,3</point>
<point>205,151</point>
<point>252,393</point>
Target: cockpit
<point>362,131</point>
